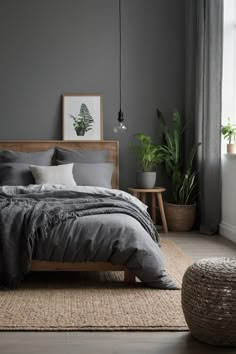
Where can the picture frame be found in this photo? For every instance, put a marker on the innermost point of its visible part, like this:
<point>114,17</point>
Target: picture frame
<point>82,117</point>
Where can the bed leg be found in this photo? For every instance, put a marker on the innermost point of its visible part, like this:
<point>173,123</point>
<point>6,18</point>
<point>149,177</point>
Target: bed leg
<point>129,277</point>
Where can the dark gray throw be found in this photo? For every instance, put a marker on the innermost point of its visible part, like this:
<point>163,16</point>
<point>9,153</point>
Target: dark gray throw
<point>29,220</point>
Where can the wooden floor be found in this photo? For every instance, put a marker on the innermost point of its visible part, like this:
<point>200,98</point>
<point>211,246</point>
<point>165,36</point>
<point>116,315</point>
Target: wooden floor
<point>197,246</point>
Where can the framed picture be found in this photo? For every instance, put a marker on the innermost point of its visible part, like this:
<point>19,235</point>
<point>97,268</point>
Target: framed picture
<point>82,117</point>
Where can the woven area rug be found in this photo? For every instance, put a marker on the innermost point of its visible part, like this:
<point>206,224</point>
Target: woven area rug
<point>92,301</point>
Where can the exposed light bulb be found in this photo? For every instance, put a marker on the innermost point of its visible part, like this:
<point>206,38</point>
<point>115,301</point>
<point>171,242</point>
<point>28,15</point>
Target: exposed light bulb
<point>120,127</point>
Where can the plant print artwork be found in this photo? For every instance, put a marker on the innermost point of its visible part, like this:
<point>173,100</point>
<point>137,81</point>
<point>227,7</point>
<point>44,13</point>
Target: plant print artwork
<point>82,117</point>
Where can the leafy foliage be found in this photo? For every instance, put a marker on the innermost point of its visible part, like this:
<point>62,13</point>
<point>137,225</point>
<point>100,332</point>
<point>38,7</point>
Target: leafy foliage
<point>148,153</point>
<point>183,180</point>
<point>229,131</point>
<point>84,121</point>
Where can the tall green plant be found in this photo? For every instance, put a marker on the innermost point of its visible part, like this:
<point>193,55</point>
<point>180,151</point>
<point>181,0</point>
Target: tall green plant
<point>148,153</point>
<point>183,180</point>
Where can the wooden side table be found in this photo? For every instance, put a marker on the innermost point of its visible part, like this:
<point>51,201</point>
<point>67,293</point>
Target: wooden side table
<point>156,192</point>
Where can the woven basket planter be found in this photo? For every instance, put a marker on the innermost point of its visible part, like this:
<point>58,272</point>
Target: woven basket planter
<point>180,217</point>
<point>209,300</point>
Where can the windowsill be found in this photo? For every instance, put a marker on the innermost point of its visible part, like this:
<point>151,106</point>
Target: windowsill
<point>230,156</point>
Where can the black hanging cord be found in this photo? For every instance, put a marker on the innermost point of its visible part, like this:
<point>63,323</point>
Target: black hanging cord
<point>120,48</point>
<point>120,115</point>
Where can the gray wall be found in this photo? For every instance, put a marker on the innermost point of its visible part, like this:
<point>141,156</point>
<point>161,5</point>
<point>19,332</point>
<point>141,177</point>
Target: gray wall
<point>51,47</point>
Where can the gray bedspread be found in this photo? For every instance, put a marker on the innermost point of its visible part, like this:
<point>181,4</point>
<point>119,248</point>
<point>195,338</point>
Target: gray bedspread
<point>57,224</point>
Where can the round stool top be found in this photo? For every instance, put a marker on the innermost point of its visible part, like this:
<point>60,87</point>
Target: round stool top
<point>216,266</point>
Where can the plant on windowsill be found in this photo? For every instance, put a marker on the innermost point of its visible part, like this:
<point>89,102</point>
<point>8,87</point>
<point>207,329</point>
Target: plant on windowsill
<point>149,156</point>
<point>181,213</point>
<point>229,133</point>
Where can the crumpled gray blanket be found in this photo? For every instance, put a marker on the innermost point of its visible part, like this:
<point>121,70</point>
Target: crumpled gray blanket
<point>27,218</point>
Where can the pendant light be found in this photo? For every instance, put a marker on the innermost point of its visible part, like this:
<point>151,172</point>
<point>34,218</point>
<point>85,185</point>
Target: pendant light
<point>120,126</point>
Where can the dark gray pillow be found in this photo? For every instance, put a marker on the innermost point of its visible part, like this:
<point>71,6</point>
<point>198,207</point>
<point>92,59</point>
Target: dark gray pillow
<point>15,174</point>
<point>92,174</point>
<point>81,156</point>
<point>41,158</point>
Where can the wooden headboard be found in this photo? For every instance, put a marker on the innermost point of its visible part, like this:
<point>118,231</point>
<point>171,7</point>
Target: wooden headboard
<point>41,145</point>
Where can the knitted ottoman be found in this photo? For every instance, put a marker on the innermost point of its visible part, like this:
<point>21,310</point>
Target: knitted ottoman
<point>209,300</point>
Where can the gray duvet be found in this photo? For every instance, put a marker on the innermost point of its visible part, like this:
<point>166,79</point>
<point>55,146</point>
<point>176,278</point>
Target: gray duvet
<point>82,224</point>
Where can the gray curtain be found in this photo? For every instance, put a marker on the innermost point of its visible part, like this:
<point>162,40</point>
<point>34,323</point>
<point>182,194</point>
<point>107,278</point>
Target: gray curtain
<point>204,52</point>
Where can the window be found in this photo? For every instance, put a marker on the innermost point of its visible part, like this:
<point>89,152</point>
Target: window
<point>229,63</point>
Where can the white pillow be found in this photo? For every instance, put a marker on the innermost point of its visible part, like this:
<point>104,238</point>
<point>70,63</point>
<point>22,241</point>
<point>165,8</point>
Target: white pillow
<point>53,174</point>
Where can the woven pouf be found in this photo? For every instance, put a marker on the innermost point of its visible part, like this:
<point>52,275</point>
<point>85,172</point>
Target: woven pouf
<point>209,300</point>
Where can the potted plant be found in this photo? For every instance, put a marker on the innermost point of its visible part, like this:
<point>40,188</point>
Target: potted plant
<point>149,156</point>
<point>83,122</point>
<point>229,133</point>
<point>180,214</point>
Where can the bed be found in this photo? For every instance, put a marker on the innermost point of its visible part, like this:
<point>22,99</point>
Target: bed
<point>112,148</point>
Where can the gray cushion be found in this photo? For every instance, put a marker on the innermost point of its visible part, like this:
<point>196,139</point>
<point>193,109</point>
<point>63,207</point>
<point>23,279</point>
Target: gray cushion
<point>81,156</point>
<point>41,158</point>
<point>15,174</point>
<point>92,174</point>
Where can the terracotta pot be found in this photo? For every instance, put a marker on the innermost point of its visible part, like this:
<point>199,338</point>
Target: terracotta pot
<point>180,217</point>
<point>231,148</point>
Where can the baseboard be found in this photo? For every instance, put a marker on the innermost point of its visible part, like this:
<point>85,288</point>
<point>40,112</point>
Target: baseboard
<point>228,231</point>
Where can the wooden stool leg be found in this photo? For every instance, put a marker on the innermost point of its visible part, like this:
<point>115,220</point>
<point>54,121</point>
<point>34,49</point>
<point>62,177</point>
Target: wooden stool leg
<point>162,212</point>
<point>143,197</point>
<point>154,215</point>
<point>129,277</point>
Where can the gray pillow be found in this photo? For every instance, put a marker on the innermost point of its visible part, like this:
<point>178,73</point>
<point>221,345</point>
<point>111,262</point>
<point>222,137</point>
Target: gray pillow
<point>41,158</point>
<point>15,174</point>
<point>92,174</point>
<point>81,156</point>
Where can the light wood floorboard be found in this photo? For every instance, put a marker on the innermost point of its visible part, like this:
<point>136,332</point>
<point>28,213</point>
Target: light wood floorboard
<point>195,245</point>
<point>202,246</point>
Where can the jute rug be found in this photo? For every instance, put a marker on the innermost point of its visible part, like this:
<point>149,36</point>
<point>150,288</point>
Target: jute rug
<point>91,301</point>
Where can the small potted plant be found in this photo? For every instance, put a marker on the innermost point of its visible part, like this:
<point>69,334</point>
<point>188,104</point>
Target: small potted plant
<point>149,156</point>
<point>180,213</point>
<point>229,133</point>
<point>83,122</point>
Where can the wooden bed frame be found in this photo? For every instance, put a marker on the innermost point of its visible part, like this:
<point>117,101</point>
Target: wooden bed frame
<point>41,145</point>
